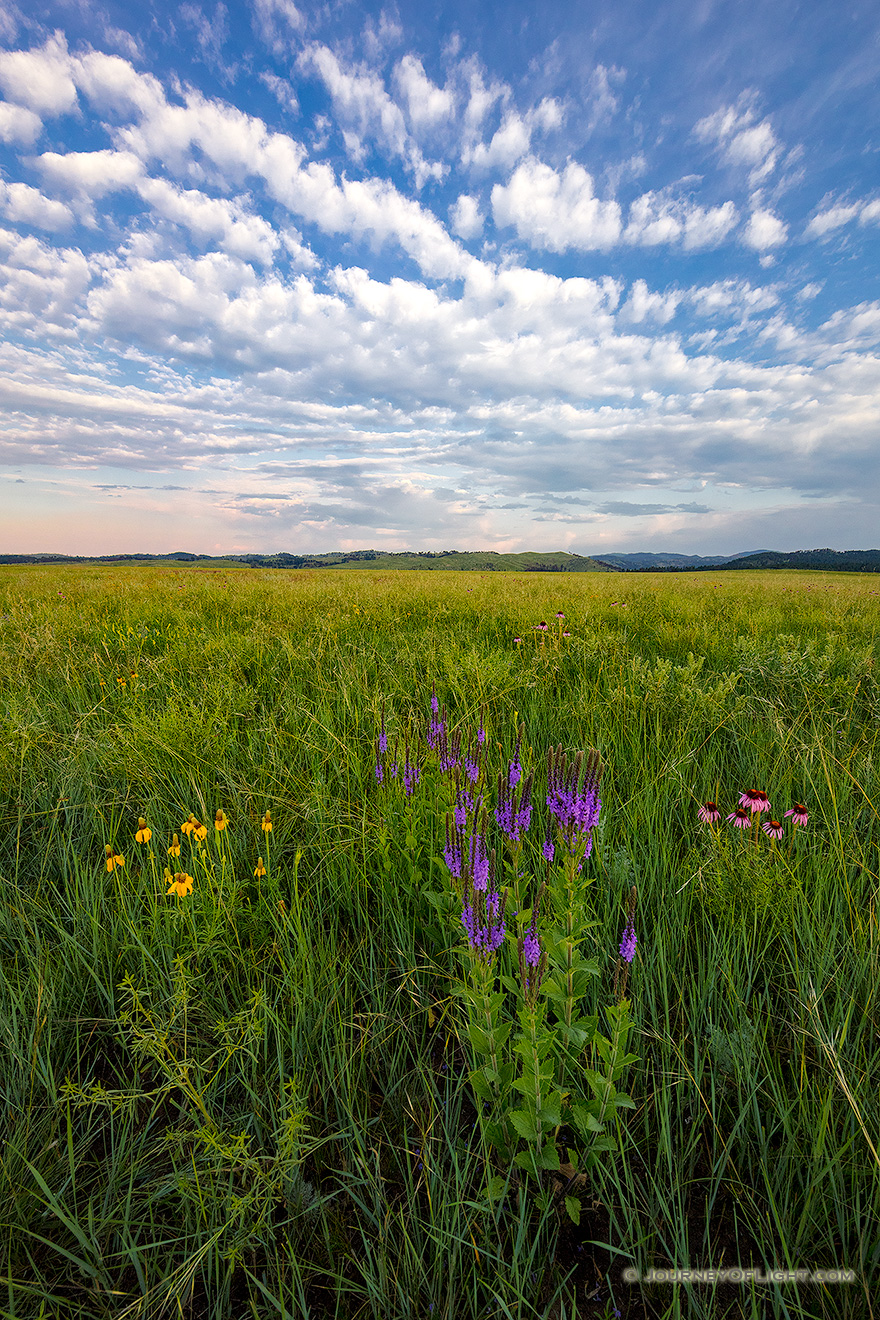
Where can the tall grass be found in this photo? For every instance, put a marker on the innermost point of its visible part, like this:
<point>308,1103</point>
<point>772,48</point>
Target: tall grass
<point>253,1101</point>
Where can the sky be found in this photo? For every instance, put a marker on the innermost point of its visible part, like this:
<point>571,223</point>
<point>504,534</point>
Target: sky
<point>312,277</point>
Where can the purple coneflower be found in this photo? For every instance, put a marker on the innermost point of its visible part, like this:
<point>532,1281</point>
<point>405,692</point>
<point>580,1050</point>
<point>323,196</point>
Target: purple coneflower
<point>559,614</point>
<point>543,626</point>
<point>772,828</point>
<point>517,640</point>
<point>754,799</point>
<point>798,813</point>
<point>741,818</point>
<point>709,813</point>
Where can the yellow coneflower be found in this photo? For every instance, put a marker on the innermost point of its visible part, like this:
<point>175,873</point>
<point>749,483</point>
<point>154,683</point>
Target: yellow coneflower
<point>220,821</point>
<point>266,822</point>
<point>201,831</point>
<point>174,850</point>
<point>259,869</point>
<point>112,858</point>
<point>180,883</point>
<point>189,824</point>
<point>144,833</point>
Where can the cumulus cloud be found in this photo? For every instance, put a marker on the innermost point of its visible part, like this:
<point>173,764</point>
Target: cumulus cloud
<point>427,105</point>
<point>40,79</point>
<point>764,231</point>
<point>740,141</point>
<point>228,223</point>
<point>465,217</point>
<point>656,218</point>
<point>25,205</point>
<point>18,125</point>
<point>90,174</point>
<point>556,211</point>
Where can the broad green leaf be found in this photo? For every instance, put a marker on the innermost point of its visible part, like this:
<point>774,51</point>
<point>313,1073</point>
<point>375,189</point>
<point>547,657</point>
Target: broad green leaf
<point>573,1207</point>
<point>524,1122</point>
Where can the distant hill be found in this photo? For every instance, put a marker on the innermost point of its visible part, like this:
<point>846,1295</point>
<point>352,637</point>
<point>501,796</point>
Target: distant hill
<point>647,560</point>
<point>836,561</point>
<point>462,561</point>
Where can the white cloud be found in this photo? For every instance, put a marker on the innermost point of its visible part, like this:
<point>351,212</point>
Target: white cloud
<point>656,218</point>
<point>366,112</point>
<point>740,141</point>
<point>39,79</point>
<point>427,105</point>
<point>229,223</point>
<point>90,174</point>
<point>465,217</point>
<point>277,21</point>
<point>832,218</point>
<point>25,205</point>
<point>41,287</point>
<point>643,304</point>
<point>764,230</point>
<point>556,211</point>
<point>18,125</point>
<point>870,213</point>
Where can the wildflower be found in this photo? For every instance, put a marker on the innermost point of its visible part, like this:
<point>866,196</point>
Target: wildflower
<point>201,832</point>
<point>532,960</point>
<point>559,614</point>
<point>383,736</point>
<point>481,732</point>
<point>517,640</point>
<point>180,884</point>
<point>755,800</point>
<point>741,818</point>
<point>112,857</point>
<point>220,821</point>
<point>483,919</point>
<point>566,634</point>
<point>174,850</point>
<point>259,869</point>
<point>378,772</point>
<point>266,822</point>
<point>773,829</point>
<point>709,813</point>
<point>798,814</point>
<point>144,833</point>
<point>532,947</point>
<point>548,849</point>
<point>513,810</point>
<point>189,825</point>
<point>411,772</point>
<point>628,944</point>
<point>573,797</point>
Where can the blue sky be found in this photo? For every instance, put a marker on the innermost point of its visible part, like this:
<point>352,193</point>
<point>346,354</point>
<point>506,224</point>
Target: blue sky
<point>312,277</point>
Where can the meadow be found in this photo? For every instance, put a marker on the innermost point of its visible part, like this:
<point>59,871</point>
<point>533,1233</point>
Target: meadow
<point>241,1071</point>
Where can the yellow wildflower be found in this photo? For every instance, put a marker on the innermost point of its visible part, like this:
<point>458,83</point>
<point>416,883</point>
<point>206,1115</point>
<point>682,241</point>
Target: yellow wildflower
<point>180,884</point>
<point>201,831</point>
<point>220,821</point>
<point>144,833</point>
<point>174,850</point>
<point>266,823</point>
<point>112,858</point>
<point>189,824</point>
<point>259,869</point>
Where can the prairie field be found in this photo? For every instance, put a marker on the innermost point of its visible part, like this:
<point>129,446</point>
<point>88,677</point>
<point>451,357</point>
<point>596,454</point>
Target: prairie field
<point>243,1074</point>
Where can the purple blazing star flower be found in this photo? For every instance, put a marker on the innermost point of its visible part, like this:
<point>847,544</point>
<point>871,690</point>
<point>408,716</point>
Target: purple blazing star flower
<point>513,810</point>
<point>573,797</point>
<point>628,944</point>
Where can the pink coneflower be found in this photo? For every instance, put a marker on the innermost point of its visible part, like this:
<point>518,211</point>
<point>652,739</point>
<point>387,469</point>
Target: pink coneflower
<point>755,799</point>
<point>709,813</point>
<point>798,813</point>
<point>566,634</point>
<point>517,640</point>
<point>741,818</point>
<point>559,614</point>
<point>772,828</point>
<point>543,626</point>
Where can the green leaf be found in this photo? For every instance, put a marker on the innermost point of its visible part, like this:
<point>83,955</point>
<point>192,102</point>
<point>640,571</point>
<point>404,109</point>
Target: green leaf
<point>548,1157</point>
<point>573,1207</point>
<point>623,1101</point>
<point>496,1188</point>
<point>526,1160</point>
<point>480,1086</point>
<point>550,1112</point>
<point>479,1039</point>
<point>585,1121</point>
<point>524,1122</point>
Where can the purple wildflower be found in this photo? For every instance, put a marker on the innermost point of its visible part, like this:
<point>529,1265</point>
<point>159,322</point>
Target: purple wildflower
<point>628,944</point>
<point>483,919</point>
<point>740,818</point>
<point>754,799</point>
<point>798,813</point>
<point>573,797</point>
<point>773,828</point>
<point>411,773</point>
<point>532,947</point>
<point>709,813</point>
<point>379,772</point>
<point>383,736</point>
<point>435,705</point>
<point>513,810</point>
<point>481,732</point>
<point>548,849</point>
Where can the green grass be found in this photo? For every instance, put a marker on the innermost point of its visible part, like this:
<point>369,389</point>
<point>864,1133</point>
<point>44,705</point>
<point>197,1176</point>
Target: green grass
<point>253,1102</point>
